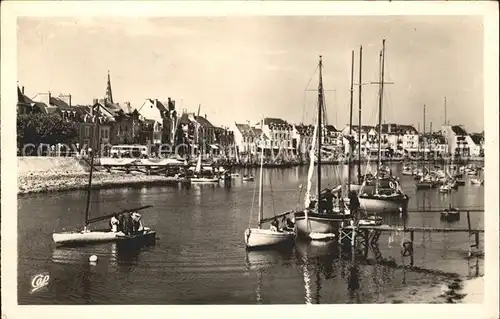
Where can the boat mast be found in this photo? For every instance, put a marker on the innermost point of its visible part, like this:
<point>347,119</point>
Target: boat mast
<point>261,177</point>
<point>350,124</point>
<point>424,141</point>
<point>359,110</point>
<point>87,208</point>
<point>445,110</point>
<point>380,100</point>
<point>320,108</point>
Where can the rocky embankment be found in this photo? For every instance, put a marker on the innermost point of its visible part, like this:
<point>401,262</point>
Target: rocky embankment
<point>53,182</point>
<point>41,175</point>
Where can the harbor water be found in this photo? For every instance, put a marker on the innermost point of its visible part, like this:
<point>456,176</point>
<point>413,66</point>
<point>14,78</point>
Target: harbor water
<point>200,256</point>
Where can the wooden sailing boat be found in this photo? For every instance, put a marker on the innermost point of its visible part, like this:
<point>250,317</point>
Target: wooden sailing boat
<point>260,237</point>
<point>86,236</point>
<point>199,177</point>
<point>426,181</point>
<point>383,199</point>
<point>317,220</point>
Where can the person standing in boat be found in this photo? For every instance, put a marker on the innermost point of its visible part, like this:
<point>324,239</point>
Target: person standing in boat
<point>120,223</point>
<point>114,223</point>
<point>136,221</point>
<point>127,227</point>
<point>354,204</point>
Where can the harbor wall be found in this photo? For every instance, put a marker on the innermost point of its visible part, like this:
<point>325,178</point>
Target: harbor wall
<point>27,165</point>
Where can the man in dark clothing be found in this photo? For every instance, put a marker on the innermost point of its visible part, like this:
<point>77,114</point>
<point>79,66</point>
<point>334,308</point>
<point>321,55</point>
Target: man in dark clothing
<point>120,223</point>
<point>130,224</point>
<point>354,203</point>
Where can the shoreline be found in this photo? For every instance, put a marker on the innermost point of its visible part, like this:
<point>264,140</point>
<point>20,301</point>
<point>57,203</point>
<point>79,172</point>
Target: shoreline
<point>460,290</point>
<point>36,183</point>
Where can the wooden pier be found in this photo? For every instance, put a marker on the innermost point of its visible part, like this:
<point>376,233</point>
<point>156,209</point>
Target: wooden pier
<point>365,236</point>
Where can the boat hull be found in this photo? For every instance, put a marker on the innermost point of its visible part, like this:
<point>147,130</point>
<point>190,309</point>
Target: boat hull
<point>383,205</point>
<point>317,223</point>
<point>260,238</point>
<point>95,237</point>
<point>82,238</point>
<point>204,180</point>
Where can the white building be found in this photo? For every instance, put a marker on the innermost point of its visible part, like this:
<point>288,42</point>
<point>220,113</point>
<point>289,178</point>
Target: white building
<point>302,136</point>
<point>279,133</point>
<point>245,138</point>
<point>460,142</point>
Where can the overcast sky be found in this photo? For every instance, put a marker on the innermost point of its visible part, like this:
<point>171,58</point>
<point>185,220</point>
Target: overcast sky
<point>242,68</point>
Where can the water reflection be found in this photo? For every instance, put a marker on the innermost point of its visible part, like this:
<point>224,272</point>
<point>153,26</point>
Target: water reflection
<point>112,254</point>
<point>318,257</point>
<point>261,261</point>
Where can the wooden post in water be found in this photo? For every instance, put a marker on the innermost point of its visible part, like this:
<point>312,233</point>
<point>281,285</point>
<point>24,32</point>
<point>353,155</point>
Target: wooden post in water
<point>470,234</point>
<point>411,248</point>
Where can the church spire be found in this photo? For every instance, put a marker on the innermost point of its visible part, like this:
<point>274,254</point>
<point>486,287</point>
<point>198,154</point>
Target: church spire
<point>109,94</point>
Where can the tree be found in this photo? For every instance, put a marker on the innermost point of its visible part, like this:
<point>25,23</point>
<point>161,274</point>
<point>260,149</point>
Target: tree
<point>42,128</point>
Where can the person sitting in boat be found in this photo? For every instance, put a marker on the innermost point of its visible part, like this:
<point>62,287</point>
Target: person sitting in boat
<point>136,221</point>
<point>114,223</point>
<point>121,223</point>
<point>274,225</point>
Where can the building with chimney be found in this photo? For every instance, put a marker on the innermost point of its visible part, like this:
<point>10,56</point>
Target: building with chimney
<point>25,105</point>
<point>279,132</point>
<point>224,140</point>
<point>165,117</point>
<point>249,139</point>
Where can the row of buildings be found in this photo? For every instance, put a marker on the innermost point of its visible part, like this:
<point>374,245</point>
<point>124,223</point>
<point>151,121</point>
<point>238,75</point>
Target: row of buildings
<point>158,122</point>
<point>154,122</point>
<point>395,138</point>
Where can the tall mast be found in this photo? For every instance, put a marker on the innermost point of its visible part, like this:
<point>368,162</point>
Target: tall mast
<point>445,111</point>
<point>87,208</point>
<point>359,109</point>
<point>380,100</point>
<point>261,177</point>
<point>424,139</point>
<point>320,122</point>
<point>350,124</point>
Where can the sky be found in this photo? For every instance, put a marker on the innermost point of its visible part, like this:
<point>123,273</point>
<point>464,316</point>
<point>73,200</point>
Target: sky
<point>243,68</point>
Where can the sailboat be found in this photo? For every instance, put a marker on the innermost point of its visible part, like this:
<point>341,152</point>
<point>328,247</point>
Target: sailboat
<point>426,181</point>
<point>383,199</point>
<point>317,220</point>
<point>87,236</point>
<point>260,237</point>
<point>200,177</point>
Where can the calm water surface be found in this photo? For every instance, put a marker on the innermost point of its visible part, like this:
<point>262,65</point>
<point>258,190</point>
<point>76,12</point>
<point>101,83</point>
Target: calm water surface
<point>200,257</point>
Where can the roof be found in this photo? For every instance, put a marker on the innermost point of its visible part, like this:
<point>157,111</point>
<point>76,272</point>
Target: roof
<point>404,128</point>
<point>160,105</point>
<point>57,102</point>
<point>393,128</point>
<point>203,121</point>
<point>306,130</point>
<point>331,128</point>
<point>184,119</point>
<point>272,120</point>
<point>21,98</point>
<point>364,128</point>
<point>477,138</point>
<point>458,130</point>
<point>249,131</point>
<point>276,123</point>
